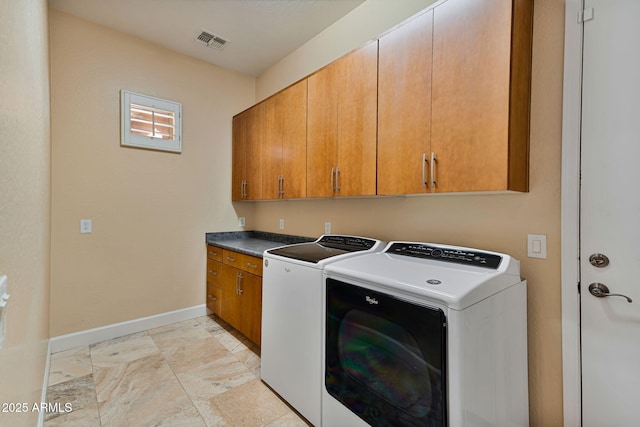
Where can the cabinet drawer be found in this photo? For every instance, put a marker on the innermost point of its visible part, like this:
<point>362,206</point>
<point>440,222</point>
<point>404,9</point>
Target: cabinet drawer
<point>244,262</point>
<point>214,272</point>
<point>214,253</point>
<point>213,297</point>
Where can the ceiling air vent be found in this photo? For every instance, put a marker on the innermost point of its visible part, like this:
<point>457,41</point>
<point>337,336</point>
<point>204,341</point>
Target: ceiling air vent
<point>211,40</point>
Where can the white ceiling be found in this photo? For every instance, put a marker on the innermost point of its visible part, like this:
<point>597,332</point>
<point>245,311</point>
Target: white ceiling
<point>259,32</point>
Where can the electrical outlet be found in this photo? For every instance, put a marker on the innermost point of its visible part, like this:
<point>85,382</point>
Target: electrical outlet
<point>86,226</point>
<point>327,227</point>
<point>241,221</point>
<point>281,224</point>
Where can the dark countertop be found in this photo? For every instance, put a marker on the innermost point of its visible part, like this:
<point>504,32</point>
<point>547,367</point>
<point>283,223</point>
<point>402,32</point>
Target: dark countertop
<point>252,242</point>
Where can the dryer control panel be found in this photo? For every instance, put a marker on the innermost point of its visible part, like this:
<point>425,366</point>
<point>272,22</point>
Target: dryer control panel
<point>446,254</point>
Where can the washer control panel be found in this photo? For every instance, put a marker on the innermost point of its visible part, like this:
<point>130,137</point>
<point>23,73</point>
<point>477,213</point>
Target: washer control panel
<point>446,254</point>
<point>347,243</point>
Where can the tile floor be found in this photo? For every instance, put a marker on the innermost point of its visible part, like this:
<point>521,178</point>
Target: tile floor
<point>199,372</point>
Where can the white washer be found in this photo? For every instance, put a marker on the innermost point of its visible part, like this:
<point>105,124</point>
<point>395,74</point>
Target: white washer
<point>425,334</point>
<point>292,316</point>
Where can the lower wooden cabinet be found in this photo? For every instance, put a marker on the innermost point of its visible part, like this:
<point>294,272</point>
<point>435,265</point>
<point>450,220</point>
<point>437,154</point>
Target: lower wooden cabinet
<point>214,285</point>
<point>234,290</point>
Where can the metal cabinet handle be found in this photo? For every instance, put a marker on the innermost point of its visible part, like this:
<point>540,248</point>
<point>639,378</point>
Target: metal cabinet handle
<point>335,179</point>
<point>252,265</point>
<point>215,273</point>
<point>239,278</point>
<point>213,253</point>
<point>212,298</point>
<point>231,259</point>
<point>433,169</point>
<point>424,170</point>
<point>280,186</point>
<point>601,291</point>
<point>333,186</point>
<point>243,191</point>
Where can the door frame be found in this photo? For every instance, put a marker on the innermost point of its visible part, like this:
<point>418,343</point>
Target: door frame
<point>570,214</point>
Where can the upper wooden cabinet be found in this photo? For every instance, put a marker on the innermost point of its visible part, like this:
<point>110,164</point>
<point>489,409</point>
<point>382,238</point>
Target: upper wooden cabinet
<point>481,94</point>
<point>246,183</point>
<point>269,147</point>
<point>284,143</point>
<point>404,107</point>
<point>452,114</point>
<point>341,126</point>
<point>459,120</point>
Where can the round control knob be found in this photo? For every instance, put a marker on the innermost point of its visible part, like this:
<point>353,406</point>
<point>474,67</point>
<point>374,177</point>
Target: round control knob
<point>436,252</point>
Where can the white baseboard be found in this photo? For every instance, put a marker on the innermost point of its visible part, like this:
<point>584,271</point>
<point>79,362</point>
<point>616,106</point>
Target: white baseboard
<point>96,335</point>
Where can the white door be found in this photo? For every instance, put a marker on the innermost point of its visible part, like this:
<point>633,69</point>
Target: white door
<point>610,214</point>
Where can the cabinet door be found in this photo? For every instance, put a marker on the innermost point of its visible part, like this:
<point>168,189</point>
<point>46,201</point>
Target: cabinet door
<point>253,152</point>
<point>239,301</point>
<point>246,183</point>
<point>251,305</point>
<point>230,310</point>
<point>404,107</point>
<point>238,156</point>
<point>271,150</point>
<point>472,88</point>
<point>284,159</point>
<point>357,84</point>
<point>322,131</point>
<point>341,120</point>
<point>291,110</point>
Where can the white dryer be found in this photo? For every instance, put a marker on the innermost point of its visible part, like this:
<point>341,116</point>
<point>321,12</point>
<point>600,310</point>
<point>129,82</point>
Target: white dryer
<point>423,334</point>
<point>292,286</point>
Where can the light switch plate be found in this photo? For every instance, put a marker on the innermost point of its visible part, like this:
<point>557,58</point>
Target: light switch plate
<point>537,246</point>
<point>241,221</point>
<point>3,284</point>
<point>4,297</point>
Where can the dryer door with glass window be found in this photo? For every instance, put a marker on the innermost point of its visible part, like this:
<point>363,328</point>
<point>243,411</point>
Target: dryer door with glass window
<point>385,357</point>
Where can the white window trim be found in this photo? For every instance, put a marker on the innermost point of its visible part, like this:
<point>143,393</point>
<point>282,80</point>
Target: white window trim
<point>130,139</point>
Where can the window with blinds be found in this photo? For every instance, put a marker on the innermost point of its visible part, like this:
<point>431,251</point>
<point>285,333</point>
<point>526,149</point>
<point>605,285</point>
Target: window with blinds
<point>149,122</point>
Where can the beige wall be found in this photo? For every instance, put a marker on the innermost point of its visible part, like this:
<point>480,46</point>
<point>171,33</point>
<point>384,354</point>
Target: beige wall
<point>366,22</point>
<point>24,202</point>
<point>495,222</point>
<point>150,209</point>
